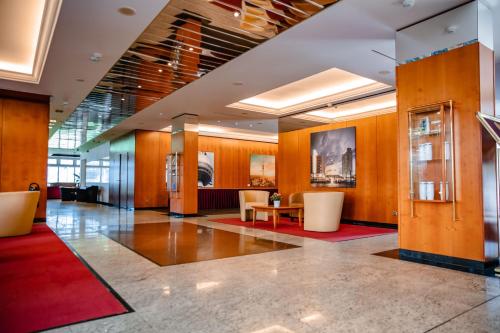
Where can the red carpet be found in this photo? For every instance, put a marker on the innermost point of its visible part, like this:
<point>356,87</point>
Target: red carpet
<point>44,285</point>
<point>346,231</point>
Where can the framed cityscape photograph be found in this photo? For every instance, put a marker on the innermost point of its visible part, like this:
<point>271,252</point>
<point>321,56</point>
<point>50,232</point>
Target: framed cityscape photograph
<point>206,167</point>
<point>333,158</point>
<point>262,170</point>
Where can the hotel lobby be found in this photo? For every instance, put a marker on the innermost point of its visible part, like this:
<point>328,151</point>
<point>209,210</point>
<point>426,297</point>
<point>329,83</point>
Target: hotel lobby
<point>252,166</point>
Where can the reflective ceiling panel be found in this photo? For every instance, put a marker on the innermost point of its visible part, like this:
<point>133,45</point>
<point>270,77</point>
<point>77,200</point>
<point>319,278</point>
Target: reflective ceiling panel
<point>188,39</point>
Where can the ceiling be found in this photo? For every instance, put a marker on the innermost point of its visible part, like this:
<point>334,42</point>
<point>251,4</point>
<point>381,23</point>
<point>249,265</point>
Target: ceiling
<point>26,29</point>
<point>342,36</point>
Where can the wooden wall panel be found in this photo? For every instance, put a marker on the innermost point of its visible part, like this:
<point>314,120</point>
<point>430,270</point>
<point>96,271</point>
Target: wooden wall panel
<point>232,159</point>
<point>150,179</point>
<point>454,75</point>
<point>375,141</point>
<point>24,147</point>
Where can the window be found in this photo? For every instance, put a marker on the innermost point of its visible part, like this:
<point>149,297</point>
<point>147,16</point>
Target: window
<point>63,170</point>
<point>97,171</point>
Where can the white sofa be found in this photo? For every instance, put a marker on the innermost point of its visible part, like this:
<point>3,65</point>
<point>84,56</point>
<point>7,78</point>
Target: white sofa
<point>17,211</point>
<point>249,198</point>
<point>322,211</point>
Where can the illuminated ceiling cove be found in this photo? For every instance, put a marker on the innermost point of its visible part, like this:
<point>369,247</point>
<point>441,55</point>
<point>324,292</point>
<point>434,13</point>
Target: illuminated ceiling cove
<point>26,29</point>
<point>187,40</point>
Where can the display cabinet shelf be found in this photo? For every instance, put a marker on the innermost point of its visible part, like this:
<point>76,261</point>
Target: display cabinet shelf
<point>432,169</point>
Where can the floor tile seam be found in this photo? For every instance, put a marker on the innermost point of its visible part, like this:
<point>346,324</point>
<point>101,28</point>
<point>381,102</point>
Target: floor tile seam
<point>462,313</point>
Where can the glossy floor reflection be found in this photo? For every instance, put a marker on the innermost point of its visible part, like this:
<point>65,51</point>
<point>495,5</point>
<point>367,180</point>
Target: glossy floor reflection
<point>172,243</point>
<point>319,287</point>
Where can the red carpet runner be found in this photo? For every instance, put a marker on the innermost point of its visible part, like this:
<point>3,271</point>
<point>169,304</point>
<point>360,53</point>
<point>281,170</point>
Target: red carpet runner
<point>346,231</point>
<point>44,285</point>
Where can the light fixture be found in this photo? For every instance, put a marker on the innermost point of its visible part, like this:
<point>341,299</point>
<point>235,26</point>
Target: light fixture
<point>160,70</point>
<point>236,14</point>
<point>451,29</point>
<point>161,113</point>
<point>384,72</point>
<point>95,57</point>
<point>53,121</point>
<point>356,108</point>
<point>139,86</point>
<point>123,99</point>
<point>237,83</point>
<point>191,49</point>
<point>80,80</point>
<point>127,11</point>
<point>170,64</point>
<point>250,125</point>
<point>408,3</point>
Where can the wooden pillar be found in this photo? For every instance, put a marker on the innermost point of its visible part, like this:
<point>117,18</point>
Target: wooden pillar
<point>184,142</point>
<point>461,234</point>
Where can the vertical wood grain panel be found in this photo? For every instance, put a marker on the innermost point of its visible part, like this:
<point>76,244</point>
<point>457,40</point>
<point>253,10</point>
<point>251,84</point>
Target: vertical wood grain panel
<point>363,202</point>
<point>454,75</point>
<point>24,147</point>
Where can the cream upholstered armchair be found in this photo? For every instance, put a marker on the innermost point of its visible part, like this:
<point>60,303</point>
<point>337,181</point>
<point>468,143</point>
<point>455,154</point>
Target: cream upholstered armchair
<point>249,198</point>
<point>17,211</point>
<point>296,198</point>
<point>322,211</point>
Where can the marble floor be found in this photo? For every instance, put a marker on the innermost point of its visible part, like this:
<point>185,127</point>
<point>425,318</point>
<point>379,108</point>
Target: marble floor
<point>317,287</point>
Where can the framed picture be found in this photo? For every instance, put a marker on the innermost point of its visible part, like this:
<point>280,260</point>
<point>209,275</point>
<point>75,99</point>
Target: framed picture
<point>333,158</point>
<point>206,167</point>
<point>262,170</point>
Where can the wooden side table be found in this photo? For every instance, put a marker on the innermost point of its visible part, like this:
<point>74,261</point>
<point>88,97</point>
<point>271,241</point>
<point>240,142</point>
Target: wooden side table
<point>276,211</point>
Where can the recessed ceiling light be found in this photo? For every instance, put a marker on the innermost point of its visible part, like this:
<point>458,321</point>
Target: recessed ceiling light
<point>95,57</point>
<point>191,49</point>
<point>80,80</point>
<point>127,11</point>
<point>237,83</point>
<point>170,64</point>
<point>139,86</point>
<point>53,121</point>
<point>236,14</point>
<point>236,124</point>
<point>123,99</point>
<point>160,70</point>
<point>408,3</point>
<point>384,72</point>
<point>218,121</point>
<point>250,125</point>
<point>161,113</point>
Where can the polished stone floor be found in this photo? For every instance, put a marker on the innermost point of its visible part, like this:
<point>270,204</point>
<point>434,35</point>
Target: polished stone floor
<point>317,287</point>
<point>173,243</point>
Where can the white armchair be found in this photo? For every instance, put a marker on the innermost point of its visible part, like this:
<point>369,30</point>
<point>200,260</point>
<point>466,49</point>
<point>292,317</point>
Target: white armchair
<point>249,198</point>
<point>322,211</point>
<point>17,211</point>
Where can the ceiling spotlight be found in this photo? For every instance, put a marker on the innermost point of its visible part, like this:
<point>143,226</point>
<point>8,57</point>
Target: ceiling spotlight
<point>250,125</point>
<point>53,121</point>
<point>170,64</point>
<point>451,29</point>
<point>408,3</point>
<point>123,99</point>
<point>218,121</point>
<point>139,86</point>
<point>191,49</point>
<point>161,113</point>
<point>160,70</point>
<point>96,57</point>
<point>236,124</point>
<point>236,14</point>
<point>127,11</point>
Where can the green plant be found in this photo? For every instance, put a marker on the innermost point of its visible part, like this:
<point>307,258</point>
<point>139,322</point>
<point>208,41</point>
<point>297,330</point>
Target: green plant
<point>276,196</point>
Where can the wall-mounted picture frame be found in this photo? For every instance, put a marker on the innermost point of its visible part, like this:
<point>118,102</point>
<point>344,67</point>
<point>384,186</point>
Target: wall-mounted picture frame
<point>333,158</point>
<point>262,170</point>
<point>206,169</point>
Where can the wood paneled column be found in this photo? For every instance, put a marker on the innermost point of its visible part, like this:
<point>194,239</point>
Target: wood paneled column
<point>460,69</point>
<point>184,142</point>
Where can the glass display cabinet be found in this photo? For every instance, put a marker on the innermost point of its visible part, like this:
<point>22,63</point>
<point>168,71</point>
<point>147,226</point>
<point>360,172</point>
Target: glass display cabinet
<point>173,172</point>
<point>432,168</point>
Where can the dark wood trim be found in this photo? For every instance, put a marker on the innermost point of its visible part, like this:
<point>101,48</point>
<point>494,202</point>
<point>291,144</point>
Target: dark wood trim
<point>24,96</point>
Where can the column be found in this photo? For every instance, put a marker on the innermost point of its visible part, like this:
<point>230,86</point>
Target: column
<point>449,58</point>
<point>184,142</point>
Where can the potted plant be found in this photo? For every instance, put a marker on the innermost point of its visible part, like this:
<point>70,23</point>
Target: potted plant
<point>276,199</point>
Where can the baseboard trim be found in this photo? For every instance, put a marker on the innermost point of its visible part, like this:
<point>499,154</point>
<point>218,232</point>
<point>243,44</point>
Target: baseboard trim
<point>371,224</point>
<point>459,264</point>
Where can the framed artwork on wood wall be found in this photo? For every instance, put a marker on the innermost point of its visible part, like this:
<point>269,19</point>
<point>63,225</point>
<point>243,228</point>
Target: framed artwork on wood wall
<point>333,158</point>
<point>206,167</point>
<point>262,170</point>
